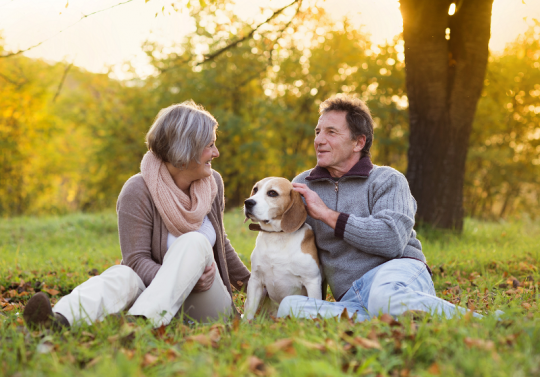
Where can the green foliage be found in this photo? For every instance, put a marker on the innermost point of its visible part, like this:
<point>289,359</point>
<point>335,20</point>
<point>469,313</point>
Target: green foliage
<point>75,152</point>
<point>23,123</point>
<point>503,167</point>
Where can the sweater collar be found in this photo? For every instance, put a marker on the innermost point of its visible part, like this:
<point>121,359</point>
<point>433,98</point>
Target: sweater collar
<point>361,169</point>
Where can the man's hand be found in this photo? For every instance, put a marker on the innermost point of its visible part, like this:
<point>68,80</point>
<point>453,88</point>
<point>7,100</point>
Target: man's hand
<point>316,207</point>
<point>206,280</point>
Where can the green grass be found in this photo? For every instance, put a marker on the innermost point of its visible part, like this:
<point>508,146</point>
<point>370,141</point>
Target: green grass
<point>477,269</point>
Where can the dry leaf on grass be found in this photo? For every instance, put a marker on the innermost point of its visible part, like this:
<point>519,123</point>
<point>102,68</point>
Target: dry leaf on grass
<point>345,314</point>
<point>128,353</point>
<point>149,359</point>
<point>236,323</point>
<point>52,292</point>
<point>201,339</point>
<point>89,335</point>
<point>434,369</point>
<point>487,345</point>
<point>93,362</point>
<point>159,332</point>
<point>284,345</point>
<point>216,332</point>
<point>256,366</point>
<point>387,318</point>
<point>367,343</point>
<point>310,345</point>
<point>8,308</point>
<point>172,354</point>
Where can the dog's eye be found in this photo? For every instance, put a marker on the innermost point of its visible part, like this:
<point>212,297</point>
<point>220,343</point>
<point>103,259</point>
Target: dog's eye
<point>272,193</point>
<point>255,189</point>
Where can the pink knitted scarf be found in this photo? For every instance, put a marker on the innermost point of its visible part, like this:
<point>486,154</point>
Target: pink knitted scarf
<point>180,212</point>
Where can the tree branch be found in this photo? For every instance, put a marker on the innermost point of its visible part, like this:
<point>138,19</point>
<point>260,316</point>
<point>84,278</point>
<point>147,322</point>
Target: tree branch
<point>70,26</point>
<point>68,67</point>
<point>248,36</point>
<point>12,82</point>
<point>270,62</point>
<point>217,53</point>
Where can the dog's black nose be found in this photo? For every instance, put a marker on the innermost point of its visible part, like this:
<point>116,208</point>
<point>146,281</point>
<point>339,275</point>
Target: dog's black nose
<point>249,203</point>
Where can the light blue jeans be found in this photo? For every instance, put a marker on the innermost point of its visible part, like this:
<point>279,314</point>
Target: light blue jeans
<point>393,287</point>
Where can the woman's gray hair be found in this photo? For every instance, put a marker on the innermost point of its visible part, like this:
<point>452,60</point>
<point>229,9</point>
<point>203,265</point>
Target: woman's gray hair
<point>180,133</point>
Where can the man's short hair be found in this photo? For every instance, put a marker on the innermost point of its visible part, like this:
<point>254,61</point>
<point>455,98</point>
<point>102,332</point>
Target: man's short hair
<point>180,133</point>
<point>358,117</point>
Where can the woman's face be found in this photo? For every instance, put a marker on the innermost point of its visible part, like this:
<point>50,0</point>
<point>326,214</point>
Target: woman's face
<point>204,169</point>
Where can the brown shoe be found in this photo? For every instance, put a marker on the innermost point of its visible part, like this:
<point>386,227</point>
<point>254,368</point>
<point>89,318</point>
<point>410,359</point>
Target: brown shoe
<point>38,314</point>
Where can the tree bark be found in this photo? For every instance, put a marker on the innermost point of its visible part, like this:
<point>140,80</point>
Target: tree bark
<point>444,82</point>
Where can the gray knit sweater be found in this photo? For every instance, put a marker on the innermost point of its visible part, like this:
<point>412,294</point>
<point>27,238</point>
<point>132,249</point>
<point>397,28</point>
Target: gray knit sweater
<point>375,222</point>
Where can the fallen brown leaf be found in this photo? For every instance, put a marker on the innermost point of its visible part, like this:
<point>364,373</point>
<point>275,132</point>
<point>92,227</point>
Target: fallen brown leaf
<point>434,369</point>
<point>215,332</point>
<point>199,338</point>
<point>172,354</point>
<point>387,318</point>
<point>367,343</point>
<point>160,331</point>
<point>487,345</point>
<point>149,359</point>
<point>93,362</point>
<point>236,323</point>
<point>331,344</point>
<point>8,308</point>
<point>256,366</point>
<point>310,345</point>
<point>284,345</point>
<point>90,335</point>
<point>373,334</point>
<point>128,353</point>
<point>52,292</point>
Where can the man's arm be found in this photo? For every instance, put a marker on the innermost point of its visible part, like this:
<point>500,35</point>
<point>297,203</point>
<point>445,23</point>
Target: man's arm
<point>385,232</point>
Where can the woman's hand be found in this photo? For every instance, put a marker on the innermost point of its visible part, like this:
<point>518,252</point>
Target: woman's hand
<point>206,280</point>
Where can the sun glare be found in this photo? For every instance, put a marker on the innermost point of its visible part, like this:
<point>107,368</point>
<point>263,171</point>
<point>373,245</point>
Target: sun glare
<point>452,9</point>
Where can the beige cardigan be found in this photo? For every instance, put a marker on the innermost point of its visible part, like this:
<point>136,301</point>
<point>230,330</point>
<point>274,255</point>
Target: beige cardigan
<point>143,235</point>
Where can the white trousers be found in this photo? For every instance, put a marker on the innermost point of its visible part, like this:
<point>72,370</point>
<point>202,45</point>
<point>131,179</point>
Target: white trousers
<point>119,288</point>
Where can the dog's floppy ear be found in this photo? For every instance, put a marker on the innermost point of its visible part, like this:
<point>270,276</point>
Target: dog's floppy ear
<point>295,215</point>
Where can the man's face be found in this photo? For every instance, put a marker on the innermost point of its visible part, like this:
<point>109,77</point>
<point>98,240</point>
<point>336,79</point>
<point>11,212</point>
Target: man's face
<point>333,145</point>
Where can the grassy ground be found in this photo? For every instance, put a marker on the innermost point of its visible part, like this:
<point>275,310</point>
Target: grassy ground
<point>491,266</point>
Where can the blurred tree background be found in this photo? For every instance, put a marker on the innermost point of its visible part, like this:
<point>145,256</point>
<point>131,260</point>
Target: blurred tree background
<point>69,139</point>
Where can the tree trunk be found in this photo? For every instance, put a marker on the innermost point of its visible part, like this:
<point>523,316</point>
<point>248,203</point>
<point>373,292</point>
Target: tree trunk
<point>444,82</point>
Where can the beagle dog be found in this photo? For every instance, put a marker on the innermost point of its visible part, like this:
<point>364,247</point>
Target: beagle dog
<point>285,259</point>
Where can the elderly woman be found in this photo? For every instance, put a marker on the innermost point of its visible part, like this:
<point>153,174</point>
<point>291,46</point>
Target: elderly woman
<point>170,223</point>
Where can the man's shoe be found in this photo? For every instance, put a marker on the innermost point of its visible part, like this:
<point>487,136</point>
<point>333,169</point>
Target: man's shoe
<point>38,314</point>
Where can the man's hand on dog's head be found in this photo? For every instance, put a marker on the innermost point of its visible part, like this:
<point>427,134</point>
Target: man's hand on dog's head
<point>315,206</point>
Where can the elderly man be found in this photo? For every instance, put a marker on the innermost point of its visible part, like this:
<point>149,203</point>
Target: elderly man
<point>363,217</point>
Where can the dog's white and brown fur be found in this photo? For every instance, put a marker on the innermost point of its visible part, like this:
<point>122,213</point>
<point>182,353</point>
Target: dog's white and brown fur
<point>284,260</point>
